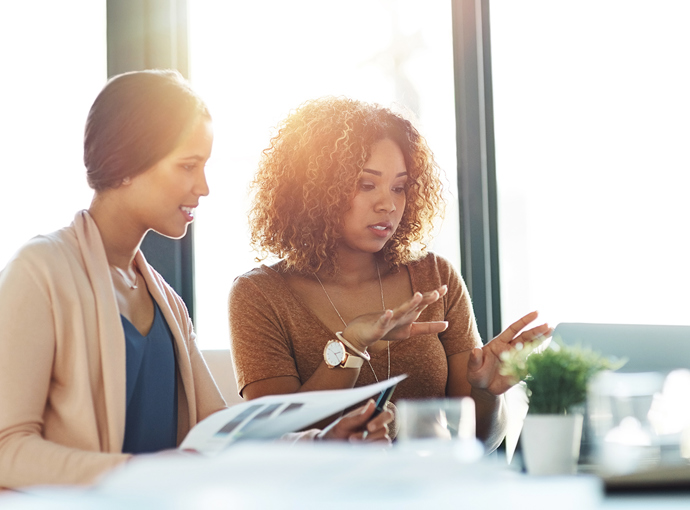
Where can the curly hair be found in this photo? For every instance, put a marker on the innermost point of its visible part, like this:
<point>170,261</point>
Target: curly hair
<point>308,176</point>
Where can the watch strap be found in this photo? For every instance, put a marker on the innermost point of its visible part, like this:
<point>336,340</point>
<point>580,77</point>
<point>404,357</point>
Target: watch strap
<point>352,361</point>
<point>362,354</point>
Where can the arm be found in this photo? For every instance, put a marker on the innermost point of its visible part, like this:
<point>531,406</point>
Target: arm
<point>473,368</point>
<point>266,330</point>
<point>490,409</point>
<point>458,341</point>
<point>31,450</point>
<point>261,343</point>
<point>478,371</point>
<point>363,332</point>
<point>208,397</point>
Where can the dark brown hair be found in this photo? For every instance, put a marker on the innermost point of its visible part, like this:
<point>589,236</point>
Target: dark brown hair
<point>309,174</point>
<point>136,120</point>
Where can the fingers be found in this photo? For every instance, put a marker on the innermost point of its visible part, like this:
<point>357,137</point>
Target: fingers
<point>380,422</point>
<point>376,429</point>
<point>419,302</point>
<point>433,296</point>
<point>537,334</point>
<point>385,319</point>
<point>359,417</point>
<point>509,334</point>
<point>428,328</point>
<point>380,435</point>
<point>357,426</point>
<point>367,329</point>
<point>476,359</point>
<point>352,423</point>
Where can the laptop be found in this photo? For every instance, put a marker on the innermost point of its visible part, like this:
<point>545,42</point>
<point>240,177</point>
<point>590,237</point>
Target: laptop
<point>647,348</point>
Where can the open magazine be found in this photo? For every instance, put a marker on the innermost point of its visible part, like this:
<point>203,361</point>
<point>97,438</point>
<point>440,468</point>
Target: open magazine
<point>272,416</point>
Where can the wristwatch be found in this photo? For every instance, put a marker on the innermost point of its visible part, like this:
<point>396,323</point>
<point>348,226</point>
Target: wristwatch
<point>335,355</point>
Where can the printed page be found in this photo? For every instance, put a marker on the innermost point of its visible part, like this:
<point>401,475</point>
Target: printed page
<point>272,416</point>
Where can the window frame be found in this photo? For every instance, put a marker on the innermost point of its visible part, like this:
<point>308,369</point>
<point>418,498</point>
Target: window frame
<point>154,34</point>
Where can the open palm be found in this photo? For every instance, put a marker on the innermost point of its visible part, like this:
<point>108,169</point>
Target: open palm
<point>484,363</point>
<point>396,324</point>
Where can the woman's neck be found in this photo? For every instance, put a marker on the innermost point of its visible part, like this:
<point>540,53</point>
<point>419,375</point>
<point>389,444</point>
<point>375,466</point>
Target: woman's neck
<point>353,269</point>
<point>121,238</point>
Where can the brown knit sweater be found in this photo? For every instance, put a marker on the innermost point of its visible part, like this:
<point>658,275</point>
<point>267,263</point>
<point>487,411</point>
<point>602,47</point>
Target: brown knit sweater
<point>274,334</point>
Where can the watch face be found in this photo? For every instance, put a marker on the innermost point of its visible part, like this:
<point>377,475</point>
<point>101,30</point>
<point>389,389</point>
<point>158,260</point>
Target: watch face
<point>334,353</point>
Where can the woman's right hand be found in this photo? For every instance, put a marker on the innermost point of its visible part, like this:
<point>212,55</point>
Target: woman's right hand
<point>396,324</point>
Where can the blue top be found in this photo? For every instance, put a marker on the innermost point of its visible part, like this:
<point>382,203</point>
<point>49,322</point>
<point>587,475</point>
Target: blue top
<point>151,419</point>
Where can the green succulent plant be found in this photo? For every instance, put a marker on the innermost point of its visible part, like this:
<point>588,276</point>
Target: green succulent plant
<point>557,376</point>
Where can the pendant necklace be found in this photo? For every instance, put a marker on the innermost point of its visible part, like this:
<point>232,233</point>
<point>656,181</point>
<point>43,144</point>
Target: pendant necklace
<point>383,304</point>
<point>123,275</point>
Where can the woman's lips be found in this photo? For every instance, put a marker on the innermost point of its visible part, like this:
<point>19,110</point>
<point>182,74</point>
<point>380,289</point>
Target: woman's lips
<point>188,212</point>
<point>381,229</point>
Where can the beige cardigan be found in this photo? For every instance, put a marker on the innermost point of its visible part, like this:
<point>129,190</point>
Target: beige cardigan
<point>62,360</point>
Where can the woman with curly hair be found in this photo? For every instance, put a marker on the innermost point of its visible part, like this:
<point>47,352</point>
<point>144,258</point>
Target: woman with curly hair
<point>346,196</point>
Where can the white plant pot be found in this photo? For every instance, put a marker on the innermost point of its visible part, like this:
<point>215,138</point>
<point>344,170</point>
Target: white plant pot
<point>551,443</point>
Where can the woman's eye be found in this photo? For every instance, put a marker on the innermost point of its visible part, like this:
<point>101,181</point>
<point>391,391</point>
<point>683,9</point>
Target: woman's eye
<point>366,186</point>
<point>399,189</point>
<point>189,167</point>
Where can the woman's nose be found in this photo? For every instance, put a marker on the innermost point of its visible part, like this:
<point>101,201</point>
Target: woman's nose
<point>201,185</point>
<point>385,202</point>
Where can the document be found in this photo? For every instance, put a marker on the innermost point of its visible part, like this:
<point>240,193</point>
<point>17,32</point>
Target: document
<point>274,415</point>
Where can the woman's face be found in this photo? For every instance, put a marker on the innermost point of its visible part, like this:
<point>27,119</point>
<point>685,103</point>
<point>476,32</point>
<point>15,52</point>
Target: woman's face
<point>379,203</point>
<point>164,197</point>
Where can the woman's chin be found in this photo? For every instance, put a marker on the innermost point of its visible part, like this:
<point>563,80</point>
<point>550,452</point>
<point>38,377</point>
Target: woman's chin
<point>172,233</point>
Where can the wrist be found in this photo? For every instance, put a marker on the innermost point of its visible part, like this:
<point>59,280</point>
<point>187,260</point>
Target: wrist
<point>483,395</point>
<point>355,347</point>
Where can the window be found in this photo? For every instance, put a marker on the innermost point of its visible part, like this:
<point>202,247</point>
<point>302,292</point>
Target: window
<point>591,121</point>
<point>55,65</point>
<point>253,62</point>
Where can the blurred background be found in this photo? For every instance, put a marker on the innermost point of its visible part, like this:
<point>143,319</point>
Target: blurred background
<point>584,156</point>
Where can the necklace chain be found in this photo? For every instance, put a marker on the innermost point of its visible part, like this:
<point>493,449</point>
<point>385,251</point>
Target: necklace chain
<point>127,281</point>
<point>383,304</point>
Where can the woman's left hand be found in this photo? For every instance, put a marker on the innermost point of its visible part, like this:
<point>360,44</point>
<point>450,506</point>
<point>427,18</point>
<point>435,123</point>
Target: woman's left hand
<point>484,363</point>
<point>356,426</point>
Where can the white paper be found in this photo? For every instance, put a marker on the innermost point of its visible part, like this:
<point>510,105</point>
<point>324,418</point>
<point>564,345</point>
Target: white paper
<point>272,416</point>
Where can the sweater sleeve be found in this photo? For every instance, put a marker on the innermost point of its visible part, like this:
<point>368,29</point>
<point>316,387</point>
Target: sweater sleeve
<point>27,351</point>
<point>259,343</point>
<point>208,397</point>
<point>462,333</point>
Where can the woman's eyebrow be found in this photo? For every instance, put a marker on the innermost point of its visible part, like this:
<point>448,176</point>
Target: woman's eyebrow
<point>379,174</point>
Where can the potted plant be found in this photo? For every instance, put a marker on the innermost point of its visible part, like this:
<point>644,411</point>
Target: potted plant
<point>555,380</point>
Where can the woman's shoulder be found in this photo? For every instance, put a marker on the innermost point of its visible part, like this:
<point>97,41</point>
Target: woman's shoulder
<point>432,265</point>
<point>47,249</point>
<point>432,270</point>
<point>263,276</point>
<point>262,273</point>
<point>43,262</point>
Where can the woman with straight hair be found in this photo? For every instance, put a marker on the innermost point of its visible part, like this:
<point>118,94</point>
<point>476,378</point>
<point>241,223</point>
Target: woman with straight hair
<point>98,359</point>
<point>346,195</point>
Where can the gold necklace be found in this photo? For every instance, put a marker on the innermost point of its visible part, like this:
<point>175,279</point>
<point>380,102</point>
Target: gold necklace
<point>383,304</point>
